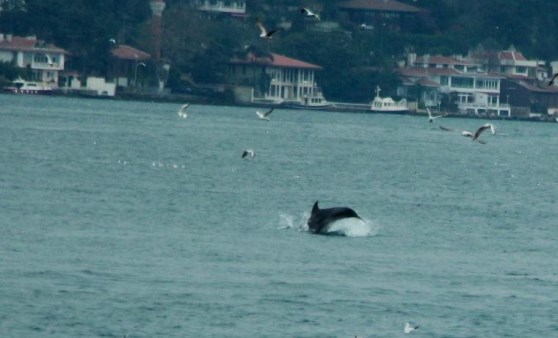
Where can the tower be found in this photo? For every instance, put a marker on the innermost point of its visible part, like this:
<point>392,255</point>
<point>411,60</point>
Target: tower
<point>157,7</point>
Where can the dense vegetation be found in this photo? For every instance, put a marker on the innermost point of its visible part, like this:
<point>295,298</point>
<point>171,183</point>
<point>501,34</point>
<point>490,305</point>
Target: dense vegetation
<point>354,60</point>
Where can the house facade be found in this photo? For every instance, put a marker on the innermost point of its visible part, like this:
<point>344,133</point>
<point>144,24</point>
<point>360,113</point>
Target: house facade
<point>455,82</point>
<point>375,14</point>
<point>230,7</point>
<point>129,66</point>
<point>275,79</point>
<point>43,61</point>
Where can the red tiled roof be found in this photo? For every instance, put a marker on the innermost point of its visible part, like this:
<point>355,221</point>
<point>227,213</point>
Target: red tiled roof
<point>511,55</point>
<point>378,5</point>
<point>126,52</point>
<point>277,60</point>
<point>30,43</point>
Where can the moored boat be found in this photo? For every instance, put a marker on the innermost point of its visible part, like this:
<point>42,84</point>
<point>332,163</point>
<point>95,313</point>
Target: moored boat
<point>387,104</point>
<point>20,86</point>
<point>308,102</point>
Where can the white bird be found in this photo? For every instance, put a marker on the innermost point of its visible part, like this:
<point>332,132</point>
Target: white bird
<point>249,152</point>
<point>309,13</point>
<point>410,327</point>
<point>49,60</point>
<point>182,111</point>
<point>264,34</point>
<point>432,118</point>
<point>264,115</point>
<point>476,135</point>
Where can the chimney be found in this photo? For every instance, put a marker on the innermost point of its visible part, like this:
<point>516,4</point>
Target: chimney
<point>9,37</point>
<point>426,61</point>
<point>411,58</point>
<point>1,37</point>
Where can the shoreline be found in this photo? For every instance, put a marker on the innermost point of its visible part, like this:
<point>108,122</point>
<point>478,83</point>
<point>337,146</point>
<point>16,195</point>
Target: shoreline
<point>339,107</point>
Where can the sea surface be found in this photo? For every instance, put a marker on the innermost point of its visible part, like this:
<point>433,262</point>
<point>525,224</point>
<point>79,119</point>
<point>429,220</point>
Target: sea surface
<point>118,218</point>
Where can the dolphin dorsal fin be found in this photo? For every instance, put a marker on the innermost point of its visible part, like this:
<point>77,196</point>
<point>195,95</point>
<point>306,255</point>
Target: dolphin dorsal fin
<point>315,208</point>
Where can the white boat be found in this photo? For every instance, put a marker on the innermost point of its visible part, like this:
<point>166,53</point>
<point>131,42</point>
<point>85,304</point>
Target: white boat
<point>20,86</point>
<point>315,101</point>
<point>387,104</point>
<point>307,104</point>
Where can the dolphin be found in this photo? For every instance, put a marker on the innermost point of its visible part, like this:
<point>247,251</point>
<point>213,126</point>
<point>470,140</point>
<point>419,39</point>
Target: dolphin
<point>321,219</point>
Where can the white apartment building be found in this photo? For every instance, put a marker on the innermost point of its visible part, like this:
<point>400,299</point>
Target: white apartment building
<point>45,61</point>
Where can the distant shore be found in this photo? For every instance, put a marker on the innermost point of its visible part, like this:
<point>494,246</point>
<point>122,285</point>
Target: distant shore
<point>342,107</point>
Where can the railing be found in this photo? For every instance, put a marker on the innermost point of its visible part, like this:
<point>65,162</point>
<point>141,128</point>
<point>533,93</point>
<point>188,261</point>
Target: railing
<point>484,105</point>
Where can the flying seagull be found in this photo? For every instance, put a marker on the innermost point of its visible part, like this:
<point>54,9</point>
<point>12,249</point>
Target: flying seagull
<point>182,111</point>
<point>410,327</point>
<point>249,152</point>
<point>476,135</point>
<point>309,13</point>
<point>551,82</point>
<point>264,33</point>
<point>432,118</point>
<point>264,115</point>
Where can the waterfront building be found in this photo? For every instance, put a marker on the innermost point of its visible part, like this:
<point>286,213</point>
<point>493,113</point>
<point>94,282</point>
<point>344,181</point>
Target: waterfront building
<point>461,82</point>
<point>270,78</point>
<point>380,14</point>
<point>43,61</point>
<point>228,7</point>
<point>128,67</point>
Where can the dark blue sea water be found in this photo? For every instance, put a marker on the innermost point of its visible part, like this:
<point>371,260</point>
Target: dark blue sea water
<point>118,218</point>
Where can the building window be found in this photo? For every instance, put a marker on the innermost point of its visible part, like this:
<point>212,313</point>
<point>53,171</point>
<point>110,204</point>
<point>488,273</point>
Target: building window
<point>462,82</point>
<point>486,84</point>
<point>444,80</point>
<point>40,58</point>
<point>520,70</point>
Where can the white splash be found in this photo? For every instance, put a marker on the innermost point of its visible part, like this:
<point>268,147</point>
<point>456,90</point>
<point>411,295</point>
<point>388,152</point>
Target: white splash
<point>349,227</point>
<point>353,227</point>
<point>293,222</point>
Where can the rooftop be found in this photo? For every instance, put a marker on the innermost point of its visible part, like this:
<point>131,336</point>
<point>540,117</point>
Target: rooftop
<point>28,44</point>
<point>276,60</point>
<point>126,52</point>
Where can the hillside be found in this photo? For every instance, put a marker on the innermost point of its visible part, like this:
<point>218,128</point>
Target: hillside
<point>354,60</point>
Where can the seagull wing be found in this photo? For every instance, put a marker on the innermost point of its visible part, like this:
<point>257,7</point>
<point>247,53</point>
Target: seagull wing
<point>429,113</point>
<point>410,327</point>
<point>268,112</point>
<point>262,29</point>
<point>480,131</point>
<point>271,32</point>
<point>552,79</point>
